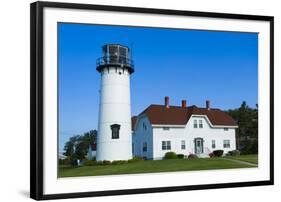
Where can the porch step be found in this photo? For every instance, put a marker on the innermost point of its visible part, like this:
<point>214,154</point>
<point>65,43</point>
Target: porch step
<point>203,155</point>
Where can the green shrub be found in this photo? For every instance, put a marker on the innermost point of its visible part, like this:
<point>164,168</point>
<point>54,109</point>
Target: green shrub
<point>170,155</point>
<point>89,163</point>
<point>192,156</point>
<point>211,155</point>
<point>105,162</point>
<point>135,159</point>
<point>65,161</point>
<point>228,154</point>
<point>180,156</point>
<point>234,153</point>
<point>119,162</point>
<point>74,162</point>
<point>218,153</point>
<point>98,163</point>
<point>250,148</point>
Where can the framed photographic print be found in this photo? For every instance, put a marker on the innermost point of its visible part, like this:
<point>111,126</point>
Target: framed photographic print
<point>131,100</point>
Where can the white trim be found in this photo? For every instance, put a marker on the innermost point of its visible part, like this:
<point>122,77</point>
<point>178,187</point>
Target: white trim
<point>167,125</point>
<point>139,118</point>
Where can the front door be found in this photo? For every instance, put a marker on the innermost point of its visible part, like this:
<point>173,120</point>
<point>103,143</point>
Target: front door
<point>198,145</point>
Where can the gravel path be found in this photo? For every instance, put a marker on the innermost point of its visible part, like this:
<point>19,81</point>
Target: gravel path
<point>242,162</point>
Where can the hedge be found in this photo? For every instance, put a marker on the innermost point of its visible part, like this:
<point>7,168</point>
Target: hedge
<point>180,156</point>
<point>192,156</point>
<point>218,153</point>
<point>170,155</point>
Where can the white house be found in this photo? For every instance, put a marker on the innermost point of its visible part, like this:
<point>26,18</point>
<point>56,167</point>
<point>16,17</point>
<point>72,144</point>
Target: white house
<point>183,130</point>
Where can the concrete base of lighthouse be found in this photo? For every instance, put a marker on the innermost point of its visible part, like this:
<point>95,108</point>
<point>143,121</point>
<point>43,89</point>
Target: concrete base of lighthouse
<point>110,151</point>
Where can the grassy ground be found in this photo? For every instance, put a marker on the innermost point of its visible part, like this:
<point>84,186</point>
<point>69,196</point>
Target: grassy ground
<point>251,158</point>
<point>151,166</point>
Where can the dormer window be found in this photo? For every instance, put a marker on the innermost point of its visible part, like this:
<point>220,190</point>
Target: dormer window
<point>200,124</point>
<point>195,125</point>
<point>115,128</point>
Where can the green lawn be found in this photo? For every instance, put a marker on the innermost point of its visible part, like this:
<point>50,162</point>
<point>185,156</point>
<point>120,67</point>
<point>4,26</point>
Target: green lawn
<point>251,158</point>
<point>150,166</point>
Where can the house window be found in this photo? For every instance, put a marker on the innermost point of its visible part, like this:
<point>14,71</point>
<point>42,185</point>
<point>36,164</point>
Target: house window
<point>166,128</point>
<point>213,144</point>
<point>195,124</point>
<point>183,144</point>
<point>115,131</point>
<point>144,147</point>
<point>225,129</point>
<point>144,126</point>
<point>166,145</point>
<point>200,124</point>
<point>226,143</point>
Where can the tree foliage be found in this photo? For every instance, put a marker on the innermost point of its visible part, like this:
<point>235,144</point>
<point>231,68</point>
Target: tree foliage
<point>77,146</point>
<point>247,132</point>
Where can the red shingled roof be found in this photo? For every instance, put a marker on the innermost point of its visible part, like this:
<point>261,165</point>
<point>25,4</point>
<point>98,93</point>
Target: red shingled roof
<point>134,120</point>
<point>176,115</point>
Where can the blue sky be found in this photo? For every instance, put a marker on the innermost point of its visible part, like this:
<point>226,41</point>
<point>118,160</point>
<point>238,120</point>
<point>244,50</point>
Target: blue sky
<point>182,64</point>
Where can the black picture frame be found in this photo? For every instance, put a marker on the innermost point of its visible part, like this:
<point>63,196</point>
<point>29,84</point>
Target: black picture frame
<point>36,98</point>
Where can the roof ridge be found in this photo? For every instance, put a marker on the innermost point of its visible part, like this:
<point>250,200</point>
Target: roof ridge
<point>209,109</point>
<point>172,106</point>
<point>145,109</point>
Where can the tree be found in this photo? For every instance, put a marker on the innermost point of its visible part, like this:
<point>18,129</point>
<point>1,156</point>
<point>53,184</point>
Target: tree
<point>247,132</point>
<point>77,146</point>
<point>70,145</point>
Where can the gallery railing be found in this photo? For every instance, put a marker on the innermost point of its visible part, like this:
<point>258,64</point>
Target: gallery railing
<point>115,60</point>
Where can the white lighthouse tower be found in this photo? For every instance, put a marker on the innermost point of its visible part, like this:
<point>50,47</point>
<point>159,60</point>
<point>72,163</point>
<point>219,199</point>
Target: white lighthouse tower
<point>114,139</point>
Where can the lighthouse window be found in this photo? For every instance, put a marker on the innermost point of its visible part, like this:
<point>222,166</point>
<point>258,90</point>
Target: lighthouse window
<point>113,50</point>
<point>122,51</point>
<point>122,55</point>
<point>113,53</point>
<point>115,131</point>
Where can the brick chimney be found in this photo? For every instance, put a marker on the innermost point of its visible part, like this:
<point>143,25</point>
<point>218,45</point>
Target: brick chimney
<point>183,103</point>
<point>208,104</point>
<point>167,102</point>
